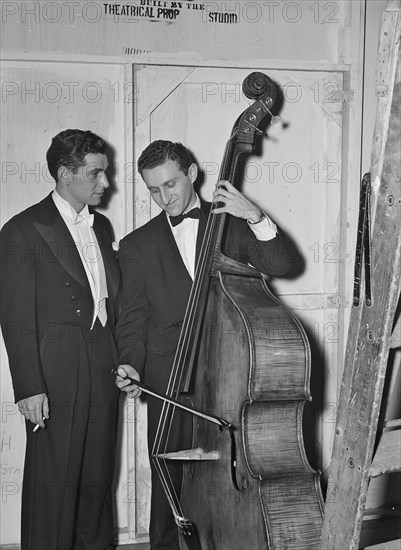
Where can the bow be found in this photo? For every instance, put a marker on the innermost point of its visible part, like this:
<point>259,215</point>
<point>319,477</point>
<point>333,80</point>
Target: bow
<point>194,213</point>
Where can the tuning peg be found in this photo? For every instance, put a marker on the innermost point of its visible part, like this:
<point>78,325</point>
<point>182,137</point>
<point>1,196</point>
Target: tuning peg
<point>275,118</point>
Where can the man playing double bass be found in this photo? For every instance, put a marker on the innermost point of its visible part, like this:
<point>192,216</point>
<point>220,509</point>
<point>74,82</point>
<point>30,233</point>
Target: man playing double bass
<point>157,266</point>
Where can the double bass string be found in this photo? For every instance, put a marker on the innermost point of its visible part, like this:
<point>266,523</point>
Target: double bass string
<point>168,410</point>
<point>229,161</point>
<point>176,376</point>
<point>205,253</point>
<point>177,373</point>
<point>191,307</point>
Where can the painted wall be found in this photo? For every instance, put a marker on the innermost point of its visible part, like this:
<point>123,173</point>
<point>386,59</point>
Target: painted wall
<point>197,31</point>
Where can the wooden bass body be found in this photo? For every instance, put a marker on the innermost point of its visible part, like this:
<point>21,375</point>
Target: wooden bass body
<point>253,370</point>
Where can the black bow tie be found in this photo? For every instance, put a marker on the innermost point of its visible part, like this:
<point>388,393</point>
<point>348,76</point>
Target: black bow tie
<point>194,213</point>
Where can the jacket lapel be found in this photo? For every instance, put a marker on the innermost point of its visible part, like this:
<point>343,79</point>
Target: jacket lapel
<point>171,254</point>
<point>171,260</point>
<point>54,232</point>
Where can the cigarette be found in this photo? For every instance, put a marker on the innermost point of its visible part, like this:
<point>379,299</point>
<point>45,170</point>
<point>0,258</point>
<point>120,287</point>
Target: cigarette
<point>36,428</point>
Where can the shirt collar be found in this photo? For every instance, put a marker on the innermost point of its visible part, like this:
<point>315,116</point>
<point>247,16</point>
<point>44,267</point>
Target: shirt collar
<point>66,209</point>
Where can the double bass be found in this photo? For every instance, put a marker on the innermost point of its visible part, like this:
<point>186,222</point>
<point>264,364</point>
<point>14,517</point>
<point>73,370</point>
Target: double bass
<point>243,363</point>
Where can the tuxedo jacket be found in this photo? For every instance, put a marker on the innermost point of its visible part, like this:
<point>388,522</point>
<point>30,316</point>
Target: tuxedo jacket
<point>46,300</point>
<point>156,286</point>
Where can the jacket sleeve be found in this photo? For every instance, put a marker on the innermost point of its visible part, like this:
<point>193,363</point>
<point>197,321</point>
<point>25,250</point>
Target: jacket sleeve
<point>18,311</point>
<point>277,257</point>
<point>133,308</point>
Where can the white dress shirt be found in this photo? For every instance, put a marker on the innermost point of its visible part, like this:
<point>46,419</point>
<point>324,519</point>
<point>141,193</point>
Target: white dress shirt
<point>80,227</point>
<point>186,232</point>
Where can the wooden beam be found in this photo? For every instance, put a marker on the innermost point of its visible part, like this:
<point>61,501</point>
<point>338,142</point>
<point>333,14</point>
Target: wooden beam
<point>370,325</point>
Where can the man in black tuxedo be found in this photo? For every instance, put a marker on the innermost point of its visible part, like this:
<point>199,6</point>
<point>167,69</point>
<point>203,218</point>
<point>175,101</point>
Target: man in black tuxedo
<point>59,282</point>
<point>157,263</point>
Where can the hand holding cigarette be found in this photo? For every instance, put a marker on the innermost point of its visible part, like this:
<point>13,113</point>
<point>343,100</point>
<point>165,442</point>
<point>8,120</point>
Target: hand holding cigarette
<point>36,428</point>
<point>36,409</point>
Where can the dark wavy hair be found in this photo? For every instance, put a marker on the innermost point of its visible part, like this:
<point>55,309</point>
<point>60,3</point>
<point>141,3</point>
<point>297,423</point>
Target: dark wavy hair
<point>161,150</point>
<point>70,147</point>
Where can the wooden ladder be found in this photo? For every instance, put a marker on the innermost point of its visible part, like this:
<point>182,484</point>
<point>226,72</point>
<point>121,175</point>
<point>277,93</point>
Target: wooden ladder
<point>365,443</point>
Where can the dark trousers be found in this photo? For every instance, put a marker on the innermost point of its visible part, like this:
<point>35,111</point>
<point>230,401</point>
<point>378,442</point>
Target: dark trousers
<point>163,530</point>
<point>66,498</point>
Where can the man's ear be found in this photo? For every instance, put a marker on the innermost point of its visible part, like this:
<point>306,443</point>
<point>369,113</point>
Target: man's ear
<point>64,175</point>
<point>193,172</point>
